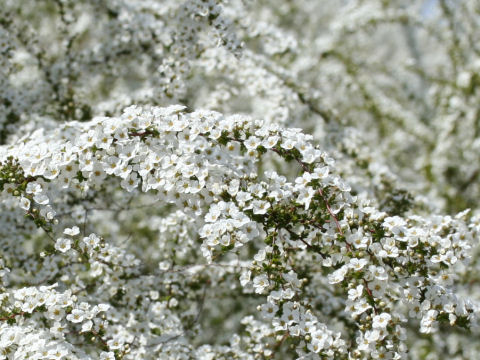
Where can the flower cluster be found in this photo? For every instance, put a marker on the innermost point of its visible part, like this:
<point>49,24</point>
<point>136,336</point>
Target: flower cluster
<point>210,179</point>
<point>285,236</point>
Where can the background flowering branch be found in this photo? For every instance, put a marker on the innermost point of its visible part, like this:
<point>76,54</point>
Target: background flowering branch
<point>341,225</point>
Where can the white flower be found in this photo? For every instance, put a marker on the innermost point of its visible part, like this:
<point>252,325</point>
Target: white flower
<point>51,172</point>
<point>96,269</point>
<point>270,142</point>
<point>213,215</point>
<point>252,143</point>
<point>338,275</point>
<point>63,244</point>
<point>9,337</point>
<point>114,344</point>
<point>321,339</point>
<point>57,353</point>
<point>357,264</point>
<point>107,355</point>
<point>288,144</point>
<point>372,336</point>
<point>103,307</point>
<point>41,199</point>
<point>72,231</point>
<point>355,293</point>
<point>305,196</point>
<point>33,188</point>
<point>25,203</point>
<point>260,283</point>
<point>361,306</point>
<point>57,328</point>
<point>260,207</point>
<point>381,321</point>
<point>245,277</point>
<point>427,321</point>
<point>268,310</point>
<point>130,182</point>
<point>378,272</point>
<point>310,155</point>
<point>87,326</point>
<point>378,288</point>
<point>358,240</point>
<point>56,313</point>
<point>76,316</point>
<point>321,172</point>
<point>260,256</point>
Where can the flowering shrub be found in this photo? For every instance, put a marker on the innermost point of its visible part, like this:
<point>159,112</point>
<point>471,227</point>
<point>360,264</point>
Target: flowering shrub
<point>162,197</point>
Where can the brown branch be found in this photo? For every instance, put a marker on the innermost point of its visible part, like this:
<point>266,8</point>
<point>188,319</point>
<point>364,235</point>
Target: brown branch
<point>369,292</point>
<point>13,316</point>
<point>279,344</point>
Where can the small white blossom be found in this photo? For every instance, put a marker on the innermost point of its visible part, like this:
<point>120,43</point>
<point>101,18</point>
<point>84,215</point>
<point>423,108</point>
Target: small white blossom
<point>63,244</point>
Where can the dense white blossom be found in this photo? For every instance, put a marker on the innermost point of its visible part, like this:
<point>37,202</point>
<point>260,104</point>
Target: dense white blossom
<point>208,179</point>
